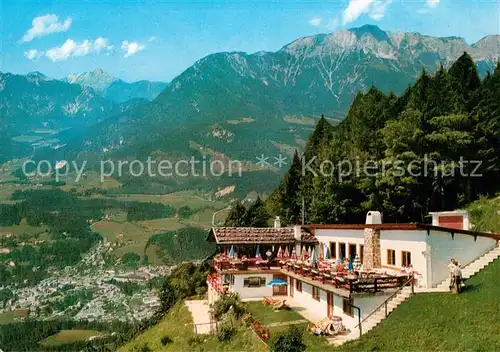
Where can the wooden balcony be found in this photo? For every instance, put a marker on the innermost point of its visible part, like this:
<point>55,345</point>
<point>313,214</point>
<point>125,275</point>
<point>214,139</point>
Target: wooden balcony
<point>253,265</point>
<point>346,283</point>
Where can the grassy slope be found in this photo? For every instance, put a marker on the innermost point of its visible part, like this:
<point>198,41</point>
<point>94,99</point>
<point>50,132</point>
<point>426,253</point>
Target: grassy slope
<point>442,321</point>
<point>485,214</point>
<point>177,326</point>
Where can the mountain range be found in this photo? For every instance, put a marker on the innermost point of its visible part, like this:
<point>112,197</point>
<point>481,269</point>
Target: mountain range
<point>116,89</point>
<point>234,105</point>
<point>36,109</point>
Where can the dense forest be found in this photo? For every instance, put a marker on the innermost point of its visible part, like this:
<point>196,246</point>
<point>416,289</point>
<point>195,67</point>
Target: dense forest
<point>436,147</point>
<point>25,336</point>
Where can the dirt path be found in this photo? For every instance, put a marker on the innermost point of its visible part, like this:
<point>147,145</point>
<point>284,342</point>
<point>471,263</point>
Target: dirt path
<point>201,315</point>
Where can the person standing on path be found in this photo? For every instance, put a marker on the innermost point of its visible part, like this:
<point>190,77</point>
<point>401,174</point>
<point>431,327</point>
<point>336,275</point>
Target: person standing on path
<point>457,277</point>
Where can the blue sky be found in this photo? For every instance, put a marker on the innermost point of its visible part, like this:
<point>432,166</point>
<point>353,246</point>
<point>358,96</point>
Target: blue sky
<point>157,40</point>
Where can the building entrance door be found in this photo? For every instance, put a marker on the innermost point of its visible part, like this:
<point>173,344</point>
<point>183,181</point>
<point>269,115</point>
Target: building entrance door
<point>282,289</point>
<point>329,306</point>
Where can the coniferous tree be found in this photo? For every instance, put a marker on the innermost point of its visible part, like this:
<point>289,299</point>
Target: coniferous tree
<point>464,80</point>
<point>236,216</point>
<point>287,197</point>
<point>486,117</point>
<point>311,160</point>
<point>256,215</point>
<point>436,123</point>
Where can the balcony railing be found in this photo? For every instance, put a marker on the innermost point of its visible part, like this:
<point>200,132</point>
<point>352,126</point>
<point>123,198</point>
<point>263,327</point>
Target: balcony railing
<point>245,264</point>
<point>353,281</point>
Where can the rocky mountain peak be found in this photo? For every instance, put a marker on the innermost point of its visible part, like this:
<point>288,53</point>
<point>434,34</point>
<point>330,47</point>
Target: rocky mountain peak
<point>96,79</point>
<point>36,76</point>
<point>370,30</point>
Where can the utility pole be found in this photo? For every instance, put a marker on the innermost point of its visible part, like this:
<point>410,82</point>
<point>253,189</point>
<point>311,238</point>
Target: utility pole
<point>303,210</point>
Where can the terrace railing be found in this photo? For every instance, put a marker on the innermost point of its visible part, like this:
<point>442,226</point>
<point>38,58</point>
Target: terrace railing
<point>244,264</point>
<point>364,282</point>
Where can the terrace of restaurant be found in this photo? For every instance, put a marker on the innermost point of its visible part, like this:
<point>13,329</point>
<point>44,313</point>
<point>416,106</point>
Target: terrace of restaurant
<point>276,250</point>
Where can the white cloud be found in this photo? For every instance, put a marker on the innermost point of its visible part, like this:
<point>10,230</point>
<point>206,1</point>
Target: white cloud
<point>44,25</point>
<point>33,54</point>
<point>316,21</point>
<point>131,48</point>
<point>152,38</point>
<point>70,48</point>
<point>374,8</point>
<point>433,3</point>
<point>378,9</point>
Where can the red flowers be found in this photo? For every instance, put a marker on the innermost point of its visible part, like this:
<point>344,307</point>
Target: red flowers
<point>261,331</point>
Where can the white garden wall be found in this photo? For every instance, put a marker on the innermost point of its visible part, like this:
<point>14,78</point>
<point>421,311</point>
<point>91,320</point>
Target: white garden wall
<point>251,292</point>
<point>464,248</point>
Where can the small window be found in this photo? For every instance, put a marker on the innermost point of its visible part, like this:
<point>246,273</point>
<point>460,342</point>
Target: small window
<point>342,250</point>
<point>405,258</point>
<point>315,292</point>
<point>352,250</point>
<point>347,306</point>
<point>298,285</point>
<point>391,257</point>
<point>254,282</point>
<point>333,250</point>
<point>229,279</point>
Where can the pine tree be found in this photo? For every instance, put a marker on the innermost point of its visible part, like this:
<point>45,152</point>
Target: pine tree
<point>314,151</point>
<point>286,197</point>
<point>440,119</point>
<point>486,118</point>
<point>464,80</point>
<point>236,216</point>
<point>256,215</point>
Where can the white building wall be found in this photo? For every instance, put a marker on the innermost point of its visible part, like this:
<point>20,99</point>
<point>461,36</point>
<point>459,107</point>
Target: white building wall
<point>398,240</point>
<point>461,247</point>
<point>408,241</point>
<point>317,310</point>
<point>251,292</point>
<point>325,236</point>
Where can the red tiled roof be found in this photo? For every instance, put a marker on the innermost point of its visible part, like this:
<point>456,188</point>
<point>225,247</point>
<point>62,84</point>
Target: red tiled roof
<point>251,235</point>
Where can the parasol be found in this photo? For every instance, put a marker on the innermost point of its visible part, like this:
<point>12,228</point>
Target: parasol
<point>313,260</point>
<point>277,283</point>
<point>349,266</point>
<point>327,252</point>
<point>257,252</point>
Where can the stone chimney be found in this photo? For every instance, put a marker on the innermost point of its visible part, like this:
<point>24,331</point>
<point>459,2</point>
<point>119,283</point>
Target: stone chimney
<point>371,248</point>
<point>277,222</point>
<point>297,232</point>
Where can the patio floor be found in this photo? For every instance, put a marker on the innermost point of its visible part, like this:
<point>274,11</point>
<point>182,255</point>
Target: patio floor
<point>201,315</point>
